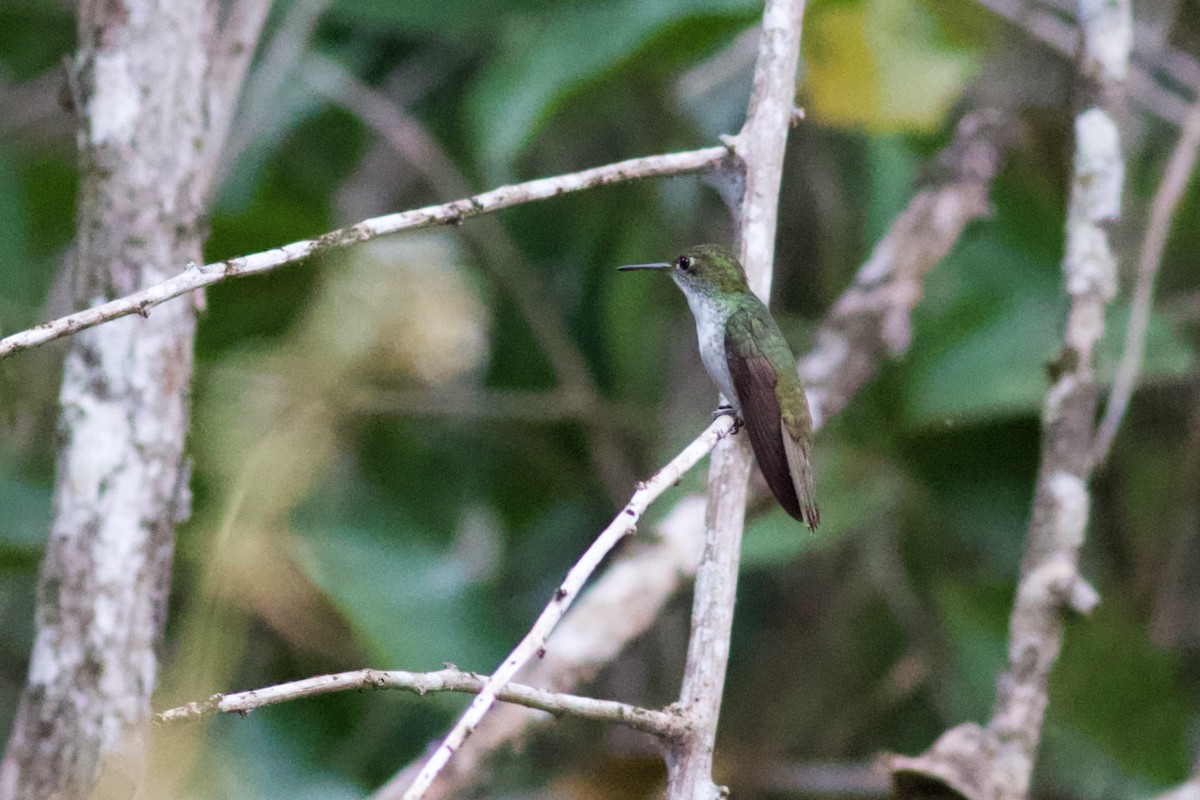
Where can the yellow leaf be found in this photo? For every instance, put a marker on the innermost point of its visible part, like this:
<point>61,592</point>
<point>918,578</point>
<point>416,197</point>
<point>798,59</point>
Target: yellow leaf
<point>882,65</point>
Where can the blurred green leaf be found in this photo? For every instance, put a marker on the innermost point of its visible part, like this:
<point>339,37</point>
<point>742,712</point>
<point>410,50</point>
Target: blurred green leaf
<point>1118,690</point>
<point>544,59</point>
<point>854,488</point>
<point>415,607</point>
<point>993,322</point>
<point>976,624</point>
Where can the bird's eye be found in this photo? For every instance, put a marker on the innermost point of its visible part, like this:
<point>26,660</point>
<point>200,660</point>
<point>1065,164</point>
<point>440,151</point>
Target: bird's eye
<point>685,263</point>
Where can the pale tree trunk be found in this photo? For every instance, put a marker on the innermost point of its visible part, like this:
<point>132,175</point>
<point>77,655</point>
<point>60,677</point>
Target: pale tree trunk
<point>121,482</point>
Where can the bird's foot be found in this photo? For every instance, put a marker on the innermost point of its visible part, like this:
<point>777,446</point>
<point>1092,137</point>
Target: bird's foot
<point>729,411</point>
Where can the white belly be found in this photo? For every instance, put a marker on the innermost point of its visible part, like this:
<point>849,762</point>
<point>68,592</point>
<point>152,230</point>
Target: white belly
<point>710,334</point>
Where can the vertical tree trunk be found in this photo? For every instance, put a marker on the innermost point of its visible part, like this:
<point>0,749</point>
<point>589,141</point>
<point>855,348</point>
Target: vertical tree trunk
<point>121,482</point>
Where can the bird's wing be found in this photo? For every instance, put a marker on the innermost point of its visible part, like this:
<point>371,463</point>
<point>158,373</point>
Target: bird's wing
<point>754,381</point>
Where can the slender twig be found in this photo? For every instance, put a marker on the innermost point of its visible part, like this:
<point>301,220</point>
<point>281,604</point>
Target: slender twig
<point>1170,191</point>
<point>663,724</point>
<point>534,641</point>
<point>197,276</point>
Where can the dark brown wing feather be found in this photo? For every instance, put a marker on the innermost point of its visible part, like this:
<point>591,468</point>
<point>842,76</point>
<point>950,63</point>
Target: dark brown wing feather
<point>754,380</point>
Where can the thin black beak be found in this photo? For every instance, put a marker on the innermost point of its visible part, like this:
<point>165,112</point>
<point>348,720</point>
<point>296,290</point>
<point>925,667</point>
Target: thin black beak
<point>628,267</point>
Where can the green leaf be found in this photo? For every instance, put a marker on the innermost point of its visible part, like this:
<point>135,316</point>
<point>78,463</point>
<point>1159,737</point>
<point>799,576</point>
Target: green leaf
<point>1118,690</point>
<point>543,60</point>
<point>993,321</point>
<point>415,607</point>
<point>854,489</point>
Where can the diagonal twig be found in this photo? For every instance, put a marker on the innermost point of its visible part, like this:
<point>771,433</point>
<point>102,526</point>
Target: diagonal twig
<point>1176,177</point>
<point>452,213</point>
<point>534,641</point>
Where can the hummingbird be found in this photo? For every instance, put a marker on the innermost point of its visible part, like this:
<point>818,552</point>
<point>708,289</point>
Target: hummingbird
<point>748,359</point>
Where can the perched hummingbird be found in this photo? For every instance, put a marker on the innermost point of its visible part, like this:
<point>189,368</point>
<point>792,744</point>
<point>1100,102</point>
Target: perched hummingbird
<point>749,360</point>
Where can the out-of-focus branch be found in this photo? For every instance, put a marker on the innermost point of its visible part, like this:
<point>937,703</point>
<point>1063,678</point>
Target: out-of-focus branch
<point>760,147</point>
<point>1170,191</point>
<point>535,641</point>
<point>197,276</point>
<point>872,320</point>
<point>626,600</point>
<point>229,60</point>
<point>500,257</point>
<point>280,57</point>
<point>657,723</point>
<point>996,762</point>
<point>1063,36</point>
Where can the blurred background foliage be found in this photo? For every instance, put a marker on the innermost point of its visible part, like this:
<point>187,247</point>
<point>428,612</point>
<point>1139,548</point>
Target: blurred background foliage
<point>398,450</point>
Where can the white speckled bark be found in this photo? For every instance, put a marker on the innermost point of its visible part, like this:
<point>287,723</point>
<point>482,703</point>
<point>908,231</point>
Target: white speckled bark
<point>121,481</point>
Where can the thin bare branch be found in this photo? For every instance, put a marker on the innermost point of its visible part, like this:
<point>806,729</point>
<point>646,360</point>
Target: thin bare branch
<point>197,276</point>
<point>663,724</point>
<point>760,145</point>
<point>1170,191</point>
<point>535,641</point>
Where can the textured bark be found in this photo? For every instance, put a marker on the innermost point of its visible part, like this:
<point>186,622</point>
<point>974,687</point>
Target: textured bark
<point>121,482</point>
<point>996,762</point>
<point>760,146</point>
